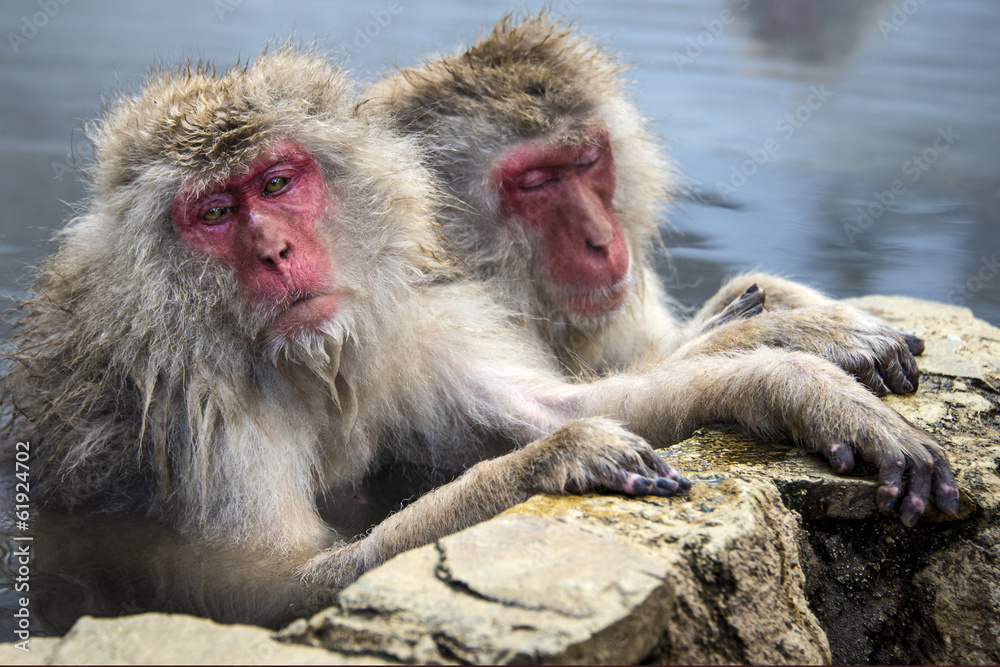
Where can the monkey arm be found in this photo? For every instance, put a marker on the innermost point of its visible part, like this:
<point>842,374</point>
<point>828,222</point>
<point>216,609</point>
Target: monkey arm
<point>859,343</point>
<point>778,393</point>
<point>583,456</point>
<point>770,392</point>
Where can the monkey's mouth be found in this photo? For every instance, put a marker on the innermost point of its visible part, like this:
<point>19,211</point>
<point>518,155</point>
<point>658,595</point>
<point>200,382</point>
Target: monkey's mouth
<point>306,314</point>
<point>598,302</point>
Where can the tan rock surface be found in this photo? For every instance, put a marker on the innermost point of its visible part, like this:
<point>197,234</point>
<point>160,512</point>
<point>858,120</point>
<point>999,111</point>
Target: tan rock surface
<point>168,639</point>
<point>710,579</point>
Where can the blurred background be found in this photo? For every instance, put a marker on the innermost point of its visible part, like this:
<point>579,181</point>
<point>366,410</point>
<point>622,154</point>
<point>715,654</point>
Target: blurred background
<point>850,144</point>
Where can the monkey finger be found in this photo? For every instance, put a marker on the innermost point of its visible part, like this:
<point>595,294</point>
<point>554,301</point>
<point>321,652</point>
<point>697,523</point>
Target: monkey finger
<point>840,456</point>
<point>890,481</point>
<point>672,480</point>
<point>683,484</point>
<point>638,485</point>
<point>910,368</point>
<point>671,475</point>
<point>894,376</point>
<point>899,365</point>
<point>746,305</point>
<point>914,344</point>
<point>944,487</point>
<point>867,373</point>
<point>668,487</point>
<point>654,462</point>
<point>918,493</point>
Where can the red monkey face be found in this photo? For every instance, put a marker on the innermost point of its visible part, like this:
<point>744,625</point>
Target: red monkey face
<point>564,195</point>
<point>263,226</point>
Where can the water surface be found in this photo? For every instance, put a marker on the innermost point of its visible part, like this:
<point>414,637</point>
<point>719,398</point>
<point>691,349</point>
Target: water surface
<point>835,99</point>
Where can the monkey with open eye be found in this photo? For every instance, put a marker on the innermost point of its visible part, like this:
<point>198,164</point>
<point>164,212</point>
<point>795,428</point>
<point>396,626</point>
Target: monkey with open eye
<point>253,306</point>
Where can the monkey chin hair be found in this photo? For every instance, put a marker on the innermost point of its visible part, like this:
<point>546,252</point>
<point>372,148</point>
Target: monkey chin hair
<point>624,288</point>
<point>318,351</point>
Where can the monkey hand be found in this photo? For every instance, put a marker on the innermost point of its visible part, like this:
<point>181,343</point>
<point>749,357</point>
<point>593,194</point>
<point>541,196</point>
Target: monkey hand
<point>913,469</point>
<point>593,454</point>
<point>773,391</point>
<point>879,356</point>
<point>748,304</point>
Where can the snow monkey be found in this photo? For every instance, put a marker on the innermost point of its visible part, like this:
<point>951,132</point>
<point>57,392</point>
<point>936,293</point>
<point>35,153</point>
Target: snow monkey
<point>252,306</point>
<point>556,185</point>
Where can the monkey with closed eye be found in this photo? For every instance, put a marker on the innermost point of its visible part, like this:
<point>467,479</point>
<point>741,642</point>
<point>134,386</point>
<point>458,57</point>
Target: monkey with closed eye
<point>555,184</point>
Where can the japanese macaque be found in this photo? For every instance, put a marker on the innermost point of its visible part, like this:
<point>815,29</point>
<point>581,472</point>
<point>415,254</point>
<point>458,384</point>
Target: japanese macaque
<point>557,186</point>
<point>253,306</point>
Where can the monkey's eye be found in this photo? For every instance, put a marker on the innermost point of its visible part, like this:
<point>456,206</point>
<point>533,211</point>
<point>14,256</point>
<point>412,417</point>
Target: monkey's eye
<point>276,184</point>
<point>214,214</point>
<point>589,157</point>
<point>533,179</point>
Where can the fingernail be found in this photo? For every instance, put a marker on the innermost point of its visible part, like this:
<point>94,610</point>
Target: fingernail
<point>638,485</point>
<point>667,484</point>
<point>886,497</point>
<point>948,506</point>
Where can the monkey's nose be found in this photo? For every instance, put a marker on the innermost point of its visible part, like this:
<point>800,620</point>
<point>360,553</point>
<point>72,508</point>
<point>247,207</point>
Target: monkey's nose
<point>598,235</point>
<point>596,247</point>
<point>270,238</point>
<point>277,256</point>
<point>271,245</point>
